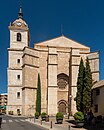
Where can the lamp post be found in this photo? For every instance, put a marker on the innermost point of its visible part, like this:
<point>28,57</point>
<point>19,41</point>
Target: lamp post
<point>70,97</point>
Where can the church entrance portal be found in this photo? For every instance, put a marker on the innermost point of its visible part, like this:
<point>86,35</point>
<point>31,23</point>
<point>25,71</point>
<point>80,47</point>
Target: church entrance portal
<point>62,108</point>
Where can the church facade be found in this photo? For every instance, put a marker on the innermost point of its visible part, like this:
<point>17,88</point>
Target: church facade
<point>56,60</point>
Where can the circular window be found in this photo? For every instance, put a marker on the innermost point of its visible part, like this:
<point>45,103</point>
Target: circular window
<point>62,83</point>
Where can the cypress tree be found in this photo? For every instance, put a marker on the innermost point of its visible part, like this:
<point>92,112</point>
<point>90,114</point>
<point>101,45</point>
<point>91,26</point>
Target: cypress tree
<point>80,85</point>
<point>38,97</point>
<point>87,87</point>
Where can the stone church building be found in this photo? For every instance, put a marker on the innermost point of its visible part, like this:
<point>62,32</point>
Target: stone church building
<point>56,60</point>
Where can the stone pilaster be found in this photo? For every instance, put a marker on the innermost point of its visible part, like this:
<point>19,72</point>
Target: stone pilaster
<point>94,65</point>
<point>52,81</point>
<point>75,61</point>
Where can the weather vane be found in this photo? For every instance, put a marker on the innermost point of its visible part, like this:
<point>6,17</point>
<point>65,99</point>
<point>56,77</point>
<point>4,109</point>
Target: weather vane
<point>20,14</point>
<point>20,3</point>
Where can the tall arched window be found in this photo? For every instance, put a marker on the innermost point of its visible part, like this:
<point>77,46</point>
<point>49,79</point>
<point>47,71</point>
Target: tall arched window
<point>18,36</point>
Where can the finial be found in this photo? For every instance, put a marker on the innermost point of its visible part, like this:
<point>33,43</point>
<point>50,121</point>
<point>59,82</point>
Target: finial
<point>20,14</point>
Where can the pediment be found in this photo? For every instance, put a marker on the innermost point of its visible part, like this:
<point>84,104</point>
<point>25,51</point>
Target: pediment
<point>62,41</point>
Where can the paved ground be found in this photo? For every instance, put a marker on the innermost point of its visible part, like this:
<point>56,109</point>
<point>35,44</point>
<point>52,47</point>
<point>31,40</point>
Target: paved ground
<point>23,123</point>
<point>64,126</point>
<point>67,125</point>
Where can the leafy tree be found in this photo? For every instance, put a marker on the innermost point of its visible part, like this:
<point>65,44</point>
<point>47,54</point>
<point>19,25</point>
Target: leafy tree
<point>80,86</point>
<point>38,97</point>
<point>87,87</point>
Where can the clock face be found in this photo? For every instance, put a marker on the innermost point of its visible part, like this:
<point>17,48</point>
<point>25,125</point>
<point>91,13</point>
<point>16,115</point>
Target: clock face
<point>19,24</point>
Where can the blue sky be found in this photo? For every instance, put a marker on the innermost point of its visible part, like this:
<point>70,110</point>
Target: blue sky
<point>81,20</point>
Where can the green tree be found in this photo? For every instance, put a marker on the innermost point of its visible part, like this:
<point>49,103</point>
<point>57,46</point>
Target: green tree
<point>38,97</point>
<point>87,97</point>
<point>80,86</point>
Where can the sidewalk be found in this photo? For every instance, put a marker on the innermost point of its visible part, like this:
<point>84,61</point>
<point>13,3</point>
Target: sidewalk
<point>51,125</point>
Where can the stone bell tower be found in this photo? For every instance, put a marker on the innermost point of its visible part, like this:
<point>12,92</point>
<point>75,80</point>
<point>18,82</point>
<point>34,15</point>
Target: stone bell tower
<point>19,38</point>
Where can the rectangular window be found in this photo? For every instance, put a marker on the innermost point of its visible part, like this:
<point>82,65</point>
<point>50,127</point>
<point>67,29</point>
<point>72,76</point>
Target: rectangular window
<point>96,108</point>
<point>18,94</point>
<point>18,61</point>
<point>97,92</point>
<point>18,77</point>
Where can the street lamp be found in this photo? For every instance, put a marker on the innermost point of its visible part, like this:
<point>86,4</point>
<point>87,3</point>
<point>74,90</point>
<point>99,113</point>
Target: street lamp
<point>70,97</point>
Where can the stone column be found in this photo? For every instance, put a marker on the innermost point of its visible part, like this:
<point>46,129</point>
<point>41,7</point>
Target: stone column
<point>52,81</point>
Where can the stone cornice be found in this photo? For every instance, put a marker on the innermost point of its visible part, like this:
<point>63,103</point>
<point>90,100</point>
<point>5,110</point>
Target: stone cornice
<point>59,47</point>
<point>36,49</point>
<point>95,71</point>
<point>75,55</point>
<point>73,86</point>
<point>43,50</point>
<point>18,28</point>
<point>94,58</point>
<point>52,53</point>
<point>15,86</point>
<point>30,65</point>
<point>29,48</point>
<point>52,64</point>
<point>74,65</point>
<point>14,68</point>
<point>58,51</point>
<point>28,88</point>
<point>14,49</point>
<point>84,53</point>
<point>29,55</point>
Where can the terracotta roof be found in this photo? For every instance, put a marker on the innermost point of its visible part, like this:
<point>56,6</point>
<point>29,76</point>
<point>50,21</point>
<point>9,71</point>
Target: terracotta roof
<point>98,84</point>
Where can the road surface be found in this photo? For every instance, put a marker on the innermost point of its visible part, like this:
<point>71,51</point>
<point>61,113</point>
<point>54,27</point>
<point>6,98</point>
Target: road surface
<point>17,123</point>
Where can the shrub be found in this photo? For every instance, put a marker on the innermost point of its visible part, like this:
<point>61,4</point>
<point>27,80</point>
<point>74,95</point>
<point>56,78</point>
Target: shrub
<point>59,115</point>
<point>79,116</point>
<point>43,114</point>
<point>10,112</point>
<point>37,114</point>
